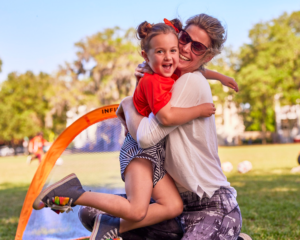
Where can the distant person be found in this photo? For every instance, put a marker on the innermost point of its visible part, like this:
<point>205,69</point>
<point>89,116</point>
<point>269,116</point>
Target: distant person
<point>25,145</point>
<point>35,148</point>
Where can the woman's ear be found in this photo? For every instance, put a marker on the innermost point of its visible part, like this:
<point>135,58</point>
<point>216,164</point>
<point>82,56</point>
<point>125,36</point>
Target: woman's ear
<point>208,58</point>
<point>145,56</point>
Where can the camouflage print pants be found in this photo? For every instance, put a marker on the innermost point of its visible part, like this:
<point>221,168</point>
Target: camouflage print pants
<point>215,218</point>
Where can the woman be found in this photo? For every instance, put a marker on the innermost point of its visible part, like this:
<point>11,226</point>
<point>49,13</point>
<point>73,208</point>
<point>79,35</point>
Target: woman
<point>210,207</point>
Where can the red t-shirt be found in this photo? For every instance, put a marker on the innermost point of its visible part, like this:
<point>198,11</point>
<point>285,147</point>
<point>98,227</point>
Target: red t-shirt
<point>37,143</point>
<point>153,93</point>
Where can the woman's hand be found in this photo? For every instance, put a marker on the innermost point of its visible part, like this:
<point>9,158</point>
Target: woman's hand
<point>120,114</point>
<point>133,118</point>
<point>230,82</point>
<point>141,69</point>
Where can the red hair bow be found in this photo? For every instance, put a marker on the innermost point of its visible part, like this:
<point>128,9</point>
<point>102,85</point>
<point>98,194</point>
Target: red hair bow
<point>167,22</point>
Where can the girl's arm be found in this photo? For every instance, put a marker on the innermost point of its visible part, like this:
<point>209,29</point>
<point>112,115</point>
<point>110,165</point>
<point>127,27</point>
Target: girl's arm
<point>172,116</point>
<point>225,80</point>
<point>208,74</point>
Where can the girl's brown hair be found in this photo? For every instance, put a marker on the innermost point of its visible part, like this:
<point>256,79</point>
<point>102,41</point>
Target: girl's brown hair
<point>146,31</point>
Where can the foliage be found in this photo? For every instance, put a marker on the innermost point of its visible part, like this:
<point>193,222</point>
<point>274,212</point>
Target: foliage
<point>270,65</point>
<point>30,103</point>
<point>102,74</point>
<point>62,95</point>
<point>105,63</point>
<point>225,64</point>
<point>23,105</point>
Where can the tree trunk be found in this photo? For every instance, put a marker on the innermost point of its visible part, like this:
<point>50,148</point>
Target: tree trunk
<point>263,131</point>
<point>263,122</point>
<point>13,145</point>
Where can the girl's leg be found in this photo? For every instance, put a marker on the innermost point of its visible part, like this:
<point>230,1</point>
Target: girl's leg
<point>135,211</point>
<point>169,229</point>
<point>168,205</point>
<point>138,186</point>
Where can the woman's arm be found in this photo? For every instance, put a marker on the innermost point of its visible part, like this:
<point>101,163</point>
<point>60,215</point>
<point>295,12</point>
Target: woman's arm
<point>146,131</point>
<point>225,80</point>
<point>185,94</point>
<point>132,117</point>
<point>172,116</point>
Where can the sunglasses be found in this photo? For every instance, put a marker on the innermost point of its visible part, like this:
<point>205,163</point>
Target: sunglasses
<point>198,48</point>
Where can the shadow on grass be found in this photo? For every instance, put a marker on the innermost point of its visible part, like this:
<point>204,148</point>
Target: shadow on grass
<point>11,200</point>
<point>270,205</point>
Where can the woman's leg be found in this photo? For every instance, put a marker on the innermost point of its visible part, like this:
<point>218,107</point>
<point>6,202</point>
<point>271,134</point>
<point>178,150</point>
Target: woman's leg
<point>217,217</point>
<point>207,224</point>
<point>138,186</point>
<point>168,204</point>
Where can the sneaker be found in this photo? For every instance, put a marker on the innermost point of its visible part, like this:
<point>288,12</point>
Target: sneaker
<point>60,196</point>
<point>244,236</point>
<point>106,228</point>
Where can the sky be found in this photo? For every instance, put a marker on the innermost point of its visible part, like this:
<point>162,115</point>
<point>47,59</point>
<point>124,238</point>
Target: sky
<point>40,35</point>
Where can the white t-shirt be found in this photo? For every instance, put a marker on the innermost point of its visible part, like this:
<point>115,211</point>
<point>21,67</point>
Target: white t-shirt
<point>192,149</point>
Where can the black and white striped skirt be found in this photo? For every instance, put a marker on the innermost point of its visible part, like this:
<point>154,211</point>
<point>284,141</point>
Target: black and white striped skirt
<point>155,154</point>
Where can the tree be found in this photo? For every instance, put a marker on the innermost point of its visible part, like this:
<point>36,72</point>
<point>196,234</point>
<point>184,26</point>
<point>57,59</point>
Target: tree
<point>269,65</point>
<point>61,95</point>
<point>22,105</point>
<point>113,56</point>
<point>225,63</point>
<point>31,103</point>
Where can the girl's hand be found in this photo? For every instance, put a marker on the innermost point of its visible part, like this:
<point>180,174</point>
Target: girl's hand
<point>207,109</point>
<point>230,82</point>
<point>141,69</point>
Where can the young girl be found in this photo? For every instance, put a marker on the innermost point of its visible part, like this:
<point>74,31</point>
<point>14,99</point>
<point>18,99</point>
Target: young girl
<point>144,176</point>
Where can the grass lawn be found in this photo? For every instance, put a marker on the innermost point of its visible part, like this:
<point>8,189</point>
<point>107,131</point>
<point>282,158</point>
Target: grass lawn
<point>269,195</point>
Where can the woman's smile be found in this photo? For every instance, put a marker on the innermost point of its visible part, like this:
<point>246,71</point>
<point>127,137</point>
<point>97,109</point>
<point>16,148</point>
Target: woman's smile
<point>184,58</point>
